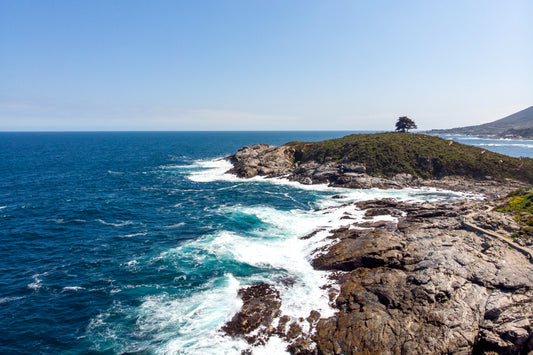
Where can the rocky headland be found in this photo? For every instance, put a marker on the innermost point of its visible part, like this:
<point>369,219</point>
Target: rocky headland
<point>385,160</point>
<point>439,278</point>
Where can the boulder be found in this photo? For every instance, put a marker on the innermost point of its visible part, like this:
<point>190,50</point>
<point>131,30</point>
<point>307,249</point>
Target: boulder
<point>262,159</point>
<point>261,303</point>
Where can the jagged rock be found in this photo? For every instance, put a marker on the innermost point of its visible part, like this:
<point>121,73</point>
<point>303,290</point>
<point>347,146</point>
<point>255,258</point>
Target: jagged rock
<point>383,313</point>
<point>352,168</point>
<point>423,289</point>
<point>506,328</point>
<point>261,303</point>
<point>384,211</point>
<point>493,220</point>
<point>422,284</point>
<point>262,159</point>
<point>403,179</point>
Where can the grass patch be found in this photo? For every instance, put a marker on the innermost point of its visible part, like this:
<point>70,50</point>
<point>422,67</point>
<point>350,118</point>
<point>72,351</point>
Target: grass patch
<point>520,204</point>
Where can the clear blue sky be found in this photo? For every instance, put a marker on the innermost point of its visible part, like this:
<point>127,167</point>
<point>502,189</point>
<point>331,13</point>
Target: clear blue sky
<point>262,65</point>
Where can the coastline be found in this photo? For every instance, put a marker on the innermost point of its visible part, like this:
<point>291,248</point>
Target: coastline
<point>155,256</point>
<point>456,289</point>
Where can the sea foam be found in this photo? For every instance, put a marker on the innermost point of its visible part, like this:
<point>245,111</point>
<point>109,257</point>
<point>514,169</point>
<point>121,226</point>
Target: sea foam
<point>269,241</point>
<point>252,243</point>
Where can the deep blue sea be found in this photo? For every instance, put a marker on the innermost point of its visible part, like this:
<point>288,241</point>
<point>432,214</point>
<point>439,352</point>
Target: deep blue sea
<point>117,243</point>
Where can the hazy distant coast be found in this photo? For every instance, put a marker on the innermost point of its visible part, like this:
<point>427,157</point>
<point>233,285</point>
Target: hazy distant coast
<point>519,125</point>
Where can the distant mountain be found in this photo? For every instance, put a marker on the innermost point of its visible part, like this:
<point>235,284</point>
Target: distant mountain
<point>519,124</point>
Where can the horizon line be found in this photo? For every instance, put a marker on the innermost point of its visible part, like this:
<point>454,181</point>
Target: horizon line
<point>176,131</point>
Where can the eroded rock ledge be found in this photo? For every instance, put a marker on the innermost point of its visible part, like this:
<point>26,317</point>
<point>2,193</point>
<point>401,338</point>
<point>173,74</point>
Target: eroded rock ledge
<point>428,287</point>
<point>421,285</point>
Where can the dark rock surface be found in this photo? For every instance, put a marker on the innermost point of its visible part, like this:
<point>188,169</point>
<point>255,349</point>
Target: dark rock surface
<point>259,319</point>
<point>261,305</point>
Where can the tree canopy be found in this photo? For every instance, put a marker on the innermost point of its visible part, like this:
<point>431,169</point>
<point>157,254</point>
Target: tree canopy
<point>404,124</point>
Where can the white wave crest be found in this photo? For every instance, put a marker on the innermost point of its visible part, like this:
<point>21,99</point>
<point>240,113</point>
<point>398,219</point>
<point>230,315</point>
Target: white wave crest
<point>37,281</point>
<point>10,299</point>
<point>73,288</point>
<point>119,224</point>
<point>132,235</point>
<point>521,145</point>
<point>196,319</point>
<point>213,170</point>
<point>181,224</point>
<point>269,244</point>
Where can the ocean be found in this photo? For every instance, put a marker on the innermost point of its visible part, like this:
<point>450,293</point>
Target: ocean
<point>138,242</point>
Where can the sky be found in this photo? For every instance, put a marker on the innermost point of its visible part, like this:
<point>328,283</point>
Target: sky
<point>262,64</point>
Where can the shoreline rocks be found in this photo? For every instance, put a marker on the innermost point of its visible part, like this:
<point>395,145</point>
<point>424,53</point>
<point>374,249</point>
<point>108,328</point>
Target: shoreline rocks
<point>262,159</point>
<point>428,287</point>
<point>272,161</point>
<point>261,303</point>
<point>422,284</point>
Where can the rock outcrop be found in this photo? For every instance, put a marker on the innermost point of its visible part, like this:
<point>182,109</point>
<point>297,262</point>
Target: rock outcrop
<point>253,322</point>
<point>420,285</point>
<point>262,159</point>
<point>271,161</point>
<point>428,287</point>
<point>440,278</point>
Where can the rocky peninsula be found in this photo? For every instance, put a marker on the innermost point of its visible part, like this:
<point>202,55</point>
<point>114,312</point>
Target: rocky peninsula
<point>439,278</point>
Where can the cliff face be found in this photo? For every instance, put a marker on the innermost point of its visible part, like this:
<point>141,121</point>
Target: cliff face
<point>262,159</point>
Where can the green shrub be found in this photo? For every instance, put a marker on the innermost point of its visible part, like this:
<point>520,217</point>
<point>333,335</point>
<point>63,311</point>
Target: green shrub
<point>520,204</point>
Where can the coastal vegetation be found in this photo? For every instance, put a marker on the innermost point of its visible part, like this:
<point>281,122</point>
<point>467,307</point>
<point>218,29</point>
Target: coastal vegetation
<point>520,204</point>
<point>519,133</point>
<point>425,156</point>
<point>404,124</point>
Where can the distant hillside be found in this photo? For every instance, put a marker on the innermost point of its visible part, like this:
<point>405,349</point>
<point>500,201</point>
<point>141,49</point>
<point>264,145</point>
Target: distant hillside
<point>519,124</point>
<point>522,133</point>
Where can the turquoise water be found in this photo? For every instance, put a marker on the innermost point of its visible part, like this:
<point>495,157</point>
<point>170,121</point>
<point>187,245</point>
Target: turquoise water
<point>138,242</point>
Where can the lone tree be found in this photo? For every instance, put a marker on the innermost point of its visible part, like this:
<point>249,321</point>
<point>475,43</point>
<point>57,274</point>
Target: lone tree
<point>404,124</point>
